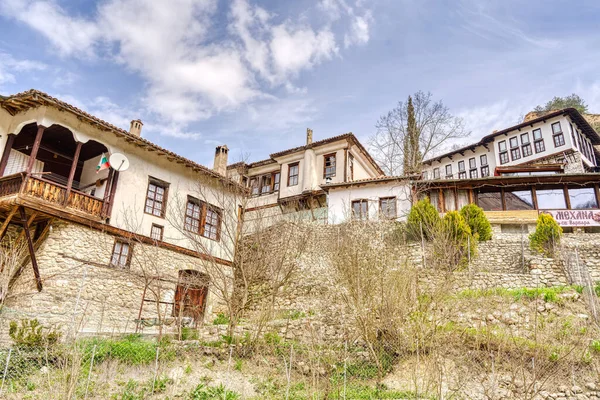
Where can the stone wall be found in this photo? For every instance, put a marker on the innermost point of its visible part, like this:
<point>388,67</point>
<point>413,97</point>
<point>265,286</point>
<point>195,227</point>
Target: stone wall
<point>82,293</point>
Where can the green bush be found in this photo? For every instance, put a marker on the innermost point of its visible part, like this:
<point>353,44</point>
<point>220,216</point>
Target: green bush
<point>31,334</point>
<point>547,235</point>
<point>477,221</point>
<point>422,214</point>
<point>456,240</point>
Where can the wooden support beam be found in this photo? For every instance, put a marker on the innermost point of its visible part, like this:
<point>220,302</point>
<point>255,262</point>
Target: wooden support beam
<point>471,199</point>
<point>441,201</point>
<point>113,189</point>
<point>534,198</point>
<point>597,191</point>
<point>35,148</point>
<point>4,227</point>
<point>567,198</point>
<point>72,172</point>
<point>36,271</point>
<point>29,222</point>
<point>503,199</point>
<point>9,144</point>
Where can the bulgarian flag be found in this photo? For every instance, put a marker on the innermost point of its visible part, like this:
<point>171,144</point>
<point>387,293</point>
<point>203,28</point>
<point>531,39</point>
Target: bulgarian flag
<point>103,164</point>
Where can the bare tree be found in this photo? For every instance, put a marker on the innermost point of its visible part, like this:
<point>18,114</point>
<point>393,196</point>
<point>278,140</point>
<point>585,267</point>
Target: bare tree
<point>435,127</point>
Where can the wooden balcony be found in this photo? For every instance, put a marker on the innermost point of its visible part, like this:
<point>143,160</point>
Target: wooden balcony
<point>50,197</point>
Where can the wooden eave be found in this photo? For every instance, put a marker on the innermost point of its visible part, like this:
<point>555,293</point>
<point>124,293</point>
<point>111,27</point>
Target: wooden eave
<point>507,181</point>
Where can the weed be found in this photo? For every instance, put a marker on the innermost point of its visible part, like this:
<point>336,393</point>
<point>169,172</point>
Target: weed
<point>238,365</point>
<point>203,392</point>
<point>221,319</point>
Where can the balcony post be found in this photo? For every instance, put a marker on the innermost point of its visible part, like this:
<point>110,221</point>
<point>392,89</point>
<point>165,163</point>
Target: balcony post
<point>4,161</point>
<point>72,173</point>
<point>35,148</point>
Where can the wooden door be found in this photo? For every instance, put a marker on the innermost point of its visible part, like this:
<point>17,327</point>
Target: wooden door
<point>190,295</point>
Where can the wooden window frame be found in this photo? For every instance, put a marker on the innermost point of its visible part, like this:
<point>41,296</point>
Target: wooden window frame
<point>448,169</point>
<point>381,209</point>
<point>275,181</point>
<point>334,166</point>
<point>436,176</point>
<point>162,231</point>
<point>290,176</point>
<point>538,144</point>
<point>204,208</point>
<point>558,137</point>
<point>129,254</point>
<point>515,153</point>
<point>462,175</point>
<point>461,166</point>
<point>503,153</point>
<point>473,173</point>
<point>485,168</point>
<point>481,158</point>
<point>163,185</point>
<point>361,201</point>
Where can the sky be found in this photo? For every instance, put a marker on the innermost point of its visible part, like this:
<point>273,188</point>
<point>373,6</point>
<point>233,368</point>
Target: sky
<point>255,74</point>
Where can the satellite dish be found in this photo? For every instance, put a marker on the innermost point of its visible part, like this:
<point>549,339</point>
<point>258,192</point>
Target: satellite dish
<point>118,162</point>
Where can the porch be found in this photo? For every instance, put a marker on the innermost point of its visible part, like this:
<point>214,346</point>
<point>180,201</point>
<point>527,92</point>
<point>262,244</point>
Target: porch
<point>53,171</point>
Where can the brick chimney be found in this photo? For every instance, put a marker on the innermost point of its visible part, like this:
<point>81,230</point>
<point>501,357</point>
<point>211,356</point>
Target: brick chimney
<point>308,136</point>
<point>220,164</point>
<point>136,127</point>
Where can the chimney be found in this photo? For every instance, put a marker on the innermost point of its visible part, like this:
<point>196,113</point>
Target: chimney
<point>220,165</point>
<point>136,127</point>
<point>308,136</point>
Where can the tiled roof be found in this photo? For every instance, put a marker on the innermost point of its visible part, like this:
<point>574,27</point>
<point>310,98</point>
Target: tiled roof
<point>378,179</point>
<point>35,98</point>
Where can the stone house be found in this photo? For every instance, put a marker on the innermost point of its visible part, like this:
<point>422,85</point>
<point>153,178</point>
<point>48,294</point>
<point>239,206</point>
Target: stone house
<point>123,248</point>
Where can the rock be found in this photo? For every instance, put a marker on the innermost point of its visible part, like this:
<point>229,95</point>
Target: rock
<point>590,386</point>
<point>583,316</point>
<point>576,389</point>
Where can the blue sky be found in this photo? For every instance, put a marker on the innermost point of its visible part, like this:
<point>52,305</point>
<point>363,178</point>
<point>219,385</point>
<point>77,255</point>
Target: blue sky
<point>255,74</point>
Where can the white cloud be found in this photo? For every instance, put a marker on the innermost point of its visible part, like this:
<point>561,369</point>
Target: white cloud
<point>69,35</point>
<point>359,30</point>
<point>10,66</point>
<point>190,71</point>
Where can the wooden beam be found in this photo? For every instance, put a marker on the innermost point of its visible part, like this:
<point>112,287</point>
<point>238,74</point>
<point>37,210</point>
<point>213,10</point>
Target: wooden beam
<point>35,148</point>
<point>441,202</point>
<point>113,189</point>
<point>503,199</point>
<point>597,191</point>
<point>29,222</point>
<point>471,200</point>
<point>36,271</point>
<point>534,197</point>
<point>4,227</point>
<point>72,172</point>
<point>6,154</point>
<point>567,198</point>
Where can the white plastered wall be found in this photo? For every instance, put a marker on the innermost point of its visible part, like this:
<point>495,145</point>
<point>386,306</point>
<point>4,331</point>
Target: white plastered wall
<point>339,200</point>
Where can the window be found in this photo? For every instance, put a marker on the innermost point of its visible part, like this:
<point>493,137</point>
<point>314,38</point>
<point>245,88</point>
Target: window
<point>329,165</point>
<point>461,166</point>
<point>436,173</point>
<point>526,145</point>
<point>211,224</point>
<point>387,207</point>
<point>351,167</point>
<point>425,175</point>
<point>490,201</point>
<point>265,186</point>
<point>582,198</point>
<point>557,135</point>
<point>156,197</point>
<point>254,186</point>
<point>156,232</point>
<point>276,179</point>
<point>473,173</point>
<point>121,255</point>
<point>472,163</point>
<point>538,141</point>
<point>550,199</point>
<point>485,171</point>
<point>203,219</point>
<point>518,200</point>
<point>449,171</point>
<point>515,152</point>
<point>360,209</point>
<point>462,175</point>
<point>293,170</point>
<point>483,159</point>
<point>502,152</point>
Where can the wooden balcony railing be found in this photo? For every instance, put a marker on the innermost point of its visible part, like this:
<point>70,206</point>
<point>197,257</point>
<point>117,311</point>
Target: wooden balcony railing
<point>52,193</point>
